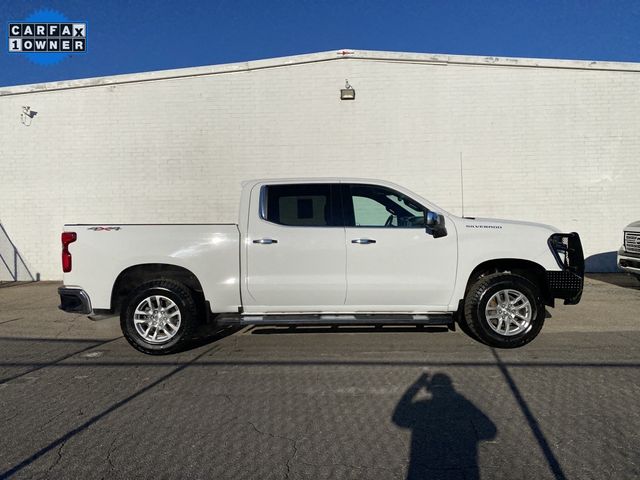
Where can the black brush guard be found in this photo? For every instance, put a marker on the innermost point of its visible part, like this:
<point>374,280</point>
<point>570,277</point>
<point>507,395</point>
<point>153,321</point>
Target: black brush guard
<point>567,283</point>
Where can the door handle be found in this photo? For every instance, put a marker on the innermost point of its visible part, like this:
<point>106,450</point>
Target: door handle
<point>363,241</point>
<point>265,241</point>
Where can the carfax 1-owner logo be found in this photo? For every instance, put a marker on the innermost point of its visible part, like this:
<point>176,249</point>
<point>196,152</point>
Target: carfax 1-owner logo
<point>47,37</point>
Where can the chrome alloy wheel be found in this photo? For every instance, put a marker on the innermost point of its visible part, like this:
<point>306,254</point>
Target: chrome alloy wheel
<point>508,312</point>
<point>157,319</point>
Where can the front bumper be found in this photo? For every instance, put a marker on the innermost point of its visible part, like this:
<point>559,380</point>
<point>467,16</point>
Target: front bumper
<point>628,262</point>
<point>74,300</point>
<point>566,284</point>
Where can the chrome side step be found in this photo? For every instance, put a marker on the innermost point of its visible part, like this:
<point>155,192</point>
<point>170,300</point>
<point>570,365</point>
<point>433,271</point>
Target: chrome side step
<point>436,319</point>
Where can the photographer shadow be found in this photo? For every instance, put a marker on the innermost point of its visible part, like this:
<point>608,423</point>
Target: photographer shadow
<point>445,430</point>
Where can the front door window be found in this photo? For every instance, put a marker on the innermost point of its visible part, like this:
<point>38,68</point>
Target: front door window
<point>375,206</point>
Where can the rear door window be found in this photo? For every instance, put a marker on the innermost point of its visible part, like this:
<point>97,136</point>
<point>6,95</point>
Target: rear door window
<point>301,205</point>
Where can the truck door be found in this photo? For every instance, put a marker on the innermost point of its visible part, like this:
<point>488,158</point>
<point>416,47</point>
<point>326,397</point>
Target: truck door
<point>393,263</point>
<point>296,250</point>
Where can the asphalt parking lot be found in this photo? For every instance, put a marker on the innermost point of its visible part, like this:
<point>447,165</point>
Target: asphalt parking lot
<point>77,402</point>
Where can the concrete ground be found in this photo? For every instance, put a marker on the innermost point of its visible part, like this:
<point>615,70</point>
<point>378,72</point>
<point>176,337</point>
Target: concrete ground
<point>77,402</point>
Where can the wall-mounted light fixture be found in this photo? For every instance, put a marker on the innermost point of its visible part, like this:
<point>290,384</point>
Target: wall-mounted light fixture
<point>26,117</point>
<point>347,93</point>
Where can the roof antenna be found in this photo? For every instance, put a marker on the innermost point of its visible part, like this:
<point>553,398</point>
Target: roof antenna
<point>461,185</point>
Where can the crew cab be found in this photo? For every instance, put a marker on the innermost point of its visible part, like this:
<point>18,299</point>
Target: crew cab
<point>323,252</point>
<point>629,253</point>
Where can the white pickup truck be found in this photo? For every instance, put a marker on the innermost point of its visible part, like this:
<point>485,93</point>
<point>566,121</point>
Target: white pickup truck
<point>323,252</point>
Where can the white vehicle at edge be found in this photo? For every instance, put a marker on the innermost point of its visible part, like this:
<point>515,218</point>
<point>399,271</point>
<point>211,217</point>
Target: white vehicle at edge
<point>629,253</point>
<point>323,251</point>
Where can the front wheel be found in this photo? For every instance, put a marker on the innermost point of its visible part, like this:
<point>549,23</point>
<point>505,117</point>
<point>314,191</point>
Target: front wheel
<point>504,310</point>
<point>159,317</point>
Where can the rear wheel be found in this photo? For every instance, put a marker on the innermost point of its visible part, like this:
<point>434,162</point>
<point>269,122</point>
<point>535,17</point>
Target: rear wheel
<point>159,317</point>
<point>504,310</point>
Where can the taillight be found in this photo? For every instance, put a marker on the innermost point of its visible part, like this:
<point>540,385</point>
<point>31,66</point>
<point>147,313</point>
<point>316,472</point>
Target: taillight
<point>67,238</point>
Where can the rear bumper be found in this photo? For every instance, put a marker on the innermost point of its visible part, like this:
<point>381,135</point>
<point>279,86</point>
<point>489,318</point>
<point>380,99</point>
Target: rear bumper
<point>74,300</point>
<point>566,284</point>
<point>628,262</point>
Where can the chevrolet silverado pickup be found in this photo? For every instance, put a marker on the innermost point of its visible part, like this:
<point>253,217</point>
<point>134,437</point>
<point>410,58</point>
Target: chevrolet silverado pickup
<point>629,253</point>
<point>323,252</point>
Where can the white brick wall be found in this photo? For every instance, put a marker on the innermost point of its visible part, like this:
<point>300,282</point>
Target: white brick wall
<point>549,144</point>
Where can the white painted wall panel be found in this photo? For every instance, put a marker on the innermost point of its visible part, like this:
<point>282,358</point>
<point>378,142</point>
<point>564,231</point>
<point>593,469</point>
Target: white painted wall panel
<point>554,145</point>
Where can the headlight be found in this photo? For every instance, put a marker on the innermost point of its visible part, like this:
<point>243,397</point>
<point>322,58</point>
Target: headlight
<point>559,245</point>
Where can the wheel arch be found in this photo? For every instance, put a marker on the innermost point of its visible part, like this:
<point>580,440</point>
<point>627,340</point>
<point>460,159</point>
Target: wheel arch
<point>532,271</point>
<point>134,276</point>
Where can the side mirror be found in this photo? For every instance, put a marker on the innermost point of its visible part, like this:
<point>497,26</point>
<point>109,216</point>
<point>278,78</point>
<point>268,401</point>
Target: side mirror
<point>435,224</point>
<point>432,219</point>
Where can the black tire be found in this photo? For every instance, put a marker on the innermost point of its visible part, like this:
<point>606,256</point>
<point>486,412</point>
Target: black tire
<point>185,300</point>
<point>479,295</point>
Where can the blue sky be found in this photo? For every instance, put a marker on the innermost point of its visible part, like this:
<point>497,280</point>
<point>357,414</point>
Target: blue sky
<point>134,36</point>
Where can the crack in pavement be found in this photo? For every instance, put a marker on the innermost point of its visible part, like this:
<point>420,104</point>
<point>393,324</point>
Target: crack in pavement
<point>295,452</point>
<point>7,419</point>
<point>110,450</point>
<point>294,444</point>
<point>12,320</point>
<point>44,425</point>
<point>55,463</point>
<point>293,441</point>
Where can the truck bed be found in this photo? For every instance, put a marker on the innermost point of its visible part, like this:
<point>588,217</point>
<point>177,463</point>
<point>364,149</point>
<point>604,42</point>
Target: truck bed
<point>102,252</point>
